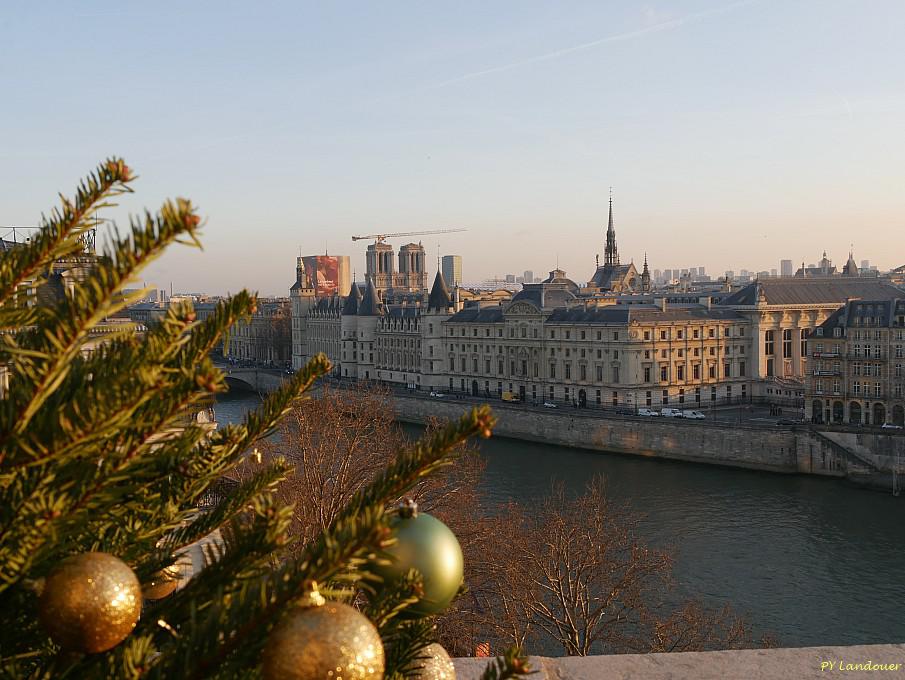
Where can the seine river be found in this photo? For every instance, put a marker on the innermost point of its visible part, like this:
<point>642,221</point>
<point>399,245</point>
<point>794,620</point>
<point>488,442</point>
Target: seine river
<point>815,561</point>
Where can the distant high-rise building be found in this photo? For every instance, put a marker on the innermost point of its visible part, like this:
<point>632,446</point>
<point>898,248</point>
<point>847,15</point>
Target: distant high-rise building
<point>773,273</point>
<point>528,276</point>
<point>865,264</point>
<point>452,270</point>
<point>786,268</point>
<point>730,274</point>
<point>510,278</point>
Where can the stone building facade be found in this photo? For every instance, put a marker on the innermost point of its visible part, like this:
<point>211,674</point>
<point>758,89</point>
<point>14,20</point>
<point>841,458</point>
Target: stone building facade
<point>782,313</point>
<point>265,338</point>
<point>611,342</point>
<point>858,365</point>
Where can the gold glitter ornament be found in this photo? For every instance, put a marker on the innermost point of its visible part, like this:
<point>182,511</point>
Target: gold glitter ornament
<point>162,583</point>
<point>90,602</point>
<point>433,663</point>
<point>328,642</point>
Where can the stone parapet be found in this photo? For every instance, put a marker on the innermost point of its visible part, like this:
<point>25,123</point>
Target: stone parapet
<point>801,663</point>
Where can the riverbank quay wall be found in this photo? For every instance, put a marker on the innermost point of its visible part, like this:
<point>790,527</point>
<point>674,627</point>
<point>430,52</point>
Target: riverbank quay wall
<point>792,449</point>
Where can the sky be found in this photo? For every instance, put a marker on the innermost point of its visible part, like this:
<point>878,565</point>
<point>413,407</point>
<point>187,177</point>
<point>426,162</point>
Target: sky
<point>734,134</point>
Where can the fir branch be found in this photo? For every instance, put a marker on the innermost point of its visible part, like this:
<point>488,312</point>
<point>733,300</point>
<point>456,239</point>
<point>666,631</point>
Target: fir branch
<point>59,342</point>
<point>512,664</point>
<point>340,554</point>
<point>59,233</point>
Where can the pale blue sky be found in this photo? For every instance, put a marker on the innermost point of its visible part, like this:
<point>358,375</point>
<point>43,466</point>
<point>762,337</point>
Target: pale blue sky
<point>734,133</point>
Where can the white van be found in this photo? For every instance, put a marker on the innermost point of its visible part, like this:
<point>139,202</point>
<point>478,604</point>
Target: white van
<point>670,413</point>
<point>693,415</point>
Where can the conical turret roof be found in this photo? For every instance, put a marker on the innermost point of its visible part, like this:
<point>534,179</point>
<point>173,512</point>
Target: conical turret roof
<point>353,300</point>
<point>439,297</point>
<point>370,302</point>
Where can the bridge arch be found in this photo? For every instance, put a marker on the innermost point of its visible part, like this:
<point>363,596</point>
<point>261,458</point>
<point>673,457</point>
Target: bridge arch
<point>239,384</point>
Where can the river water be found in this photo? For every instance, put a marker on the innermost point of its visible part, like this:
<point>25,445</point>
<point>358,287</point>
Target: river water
<point>815,561</point>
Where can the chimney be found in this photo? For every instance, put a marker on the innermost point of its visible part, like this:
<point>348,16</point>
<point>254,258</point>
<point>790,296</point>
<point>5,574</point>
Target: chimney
<point>705,302</point>
<point>661,303</point>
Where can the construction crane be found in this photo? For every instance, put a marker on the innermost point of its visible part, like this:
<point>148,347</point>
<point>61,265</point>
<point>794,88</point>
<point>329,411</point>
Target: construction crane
<point>380,238</point>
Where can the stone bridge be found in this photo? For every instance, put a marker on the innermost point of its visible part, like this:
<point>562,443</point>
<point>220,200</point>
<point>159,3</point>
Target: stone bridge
<point>260,380</point>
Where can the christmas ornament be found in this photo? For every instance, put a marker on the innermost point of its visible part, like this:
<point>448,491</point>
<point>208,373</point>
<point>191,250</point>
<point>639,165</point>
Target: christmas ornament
<point>433,663</point>
<point>323,640</point>
<point>162,583</point>
<point>90,602</point>
<point>426,544</point>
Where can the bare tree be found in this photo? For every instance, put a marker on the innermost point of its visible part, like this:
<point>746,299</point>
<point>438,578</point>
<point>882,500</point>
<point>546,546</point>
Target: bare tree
<point>336,443</point>
<point>585,577</point>
<point>576,576</point>
<point>694,628</point>
<point>567,572</point>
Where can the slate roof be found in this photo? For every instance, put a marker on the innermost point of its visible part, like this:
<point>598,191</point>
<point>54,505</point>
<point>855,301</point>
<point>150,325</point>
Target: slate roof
<point>370,302</point>
<point>439,297</point>
<point>607,274</point>
<point>611,314</point>
<point>865,314</point>
<point>478,315</point>
<point>353,299</point>
<point>624,314</point>
<point>544,297</point>
<point>407,312</point>
<point>804,291</point>
<point>691,313</point>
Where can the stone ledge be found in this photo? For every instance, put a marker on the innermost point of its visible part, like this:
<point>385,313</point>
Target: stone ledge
<point>751,664</point>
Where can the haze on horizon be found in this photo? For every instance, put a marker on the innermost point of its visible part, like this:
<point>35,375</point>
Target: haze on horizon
<point>734,133</point>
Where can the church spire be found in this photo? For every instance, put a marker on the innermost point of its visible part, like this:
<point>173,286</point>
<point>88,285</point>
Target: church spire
<point>645,277</point>
<point>611,253</point>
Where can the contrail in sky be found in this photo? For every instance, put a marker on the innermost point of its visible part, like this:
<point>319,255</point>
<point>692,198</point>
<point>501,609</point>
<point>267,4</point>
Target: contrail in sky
<point>619,37</point>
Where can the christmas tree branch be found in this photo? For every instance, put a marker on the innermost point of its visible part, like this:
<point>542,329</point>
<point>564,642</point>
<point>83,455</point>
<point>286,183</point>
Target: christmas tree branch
<point>44,354</point>
<point>59,233</point>
<point>512,664</point>
<point>357,535</point>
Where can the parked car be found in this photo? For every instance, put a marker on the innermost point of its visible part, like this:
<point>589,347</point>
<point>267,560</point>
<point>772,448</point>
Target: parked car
<point>890,426</point>
<point>646,412</point>
<point>510,396</point>
<point>671,413</point>
<point>549,404</point>
<point>693,415</point>
<point>786,422</point>
<point>437,395</point>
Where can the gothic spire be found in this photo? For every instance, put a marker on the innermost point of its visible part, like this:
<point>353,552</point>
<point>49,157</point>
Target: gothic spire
<point>645,277</point>
<point>611,253</point>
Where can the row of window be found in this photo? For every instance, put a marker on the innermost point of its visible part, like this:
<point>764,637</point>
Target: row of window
<point>582,374</point>
<point>579,396</point>
<point>665,333</point>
